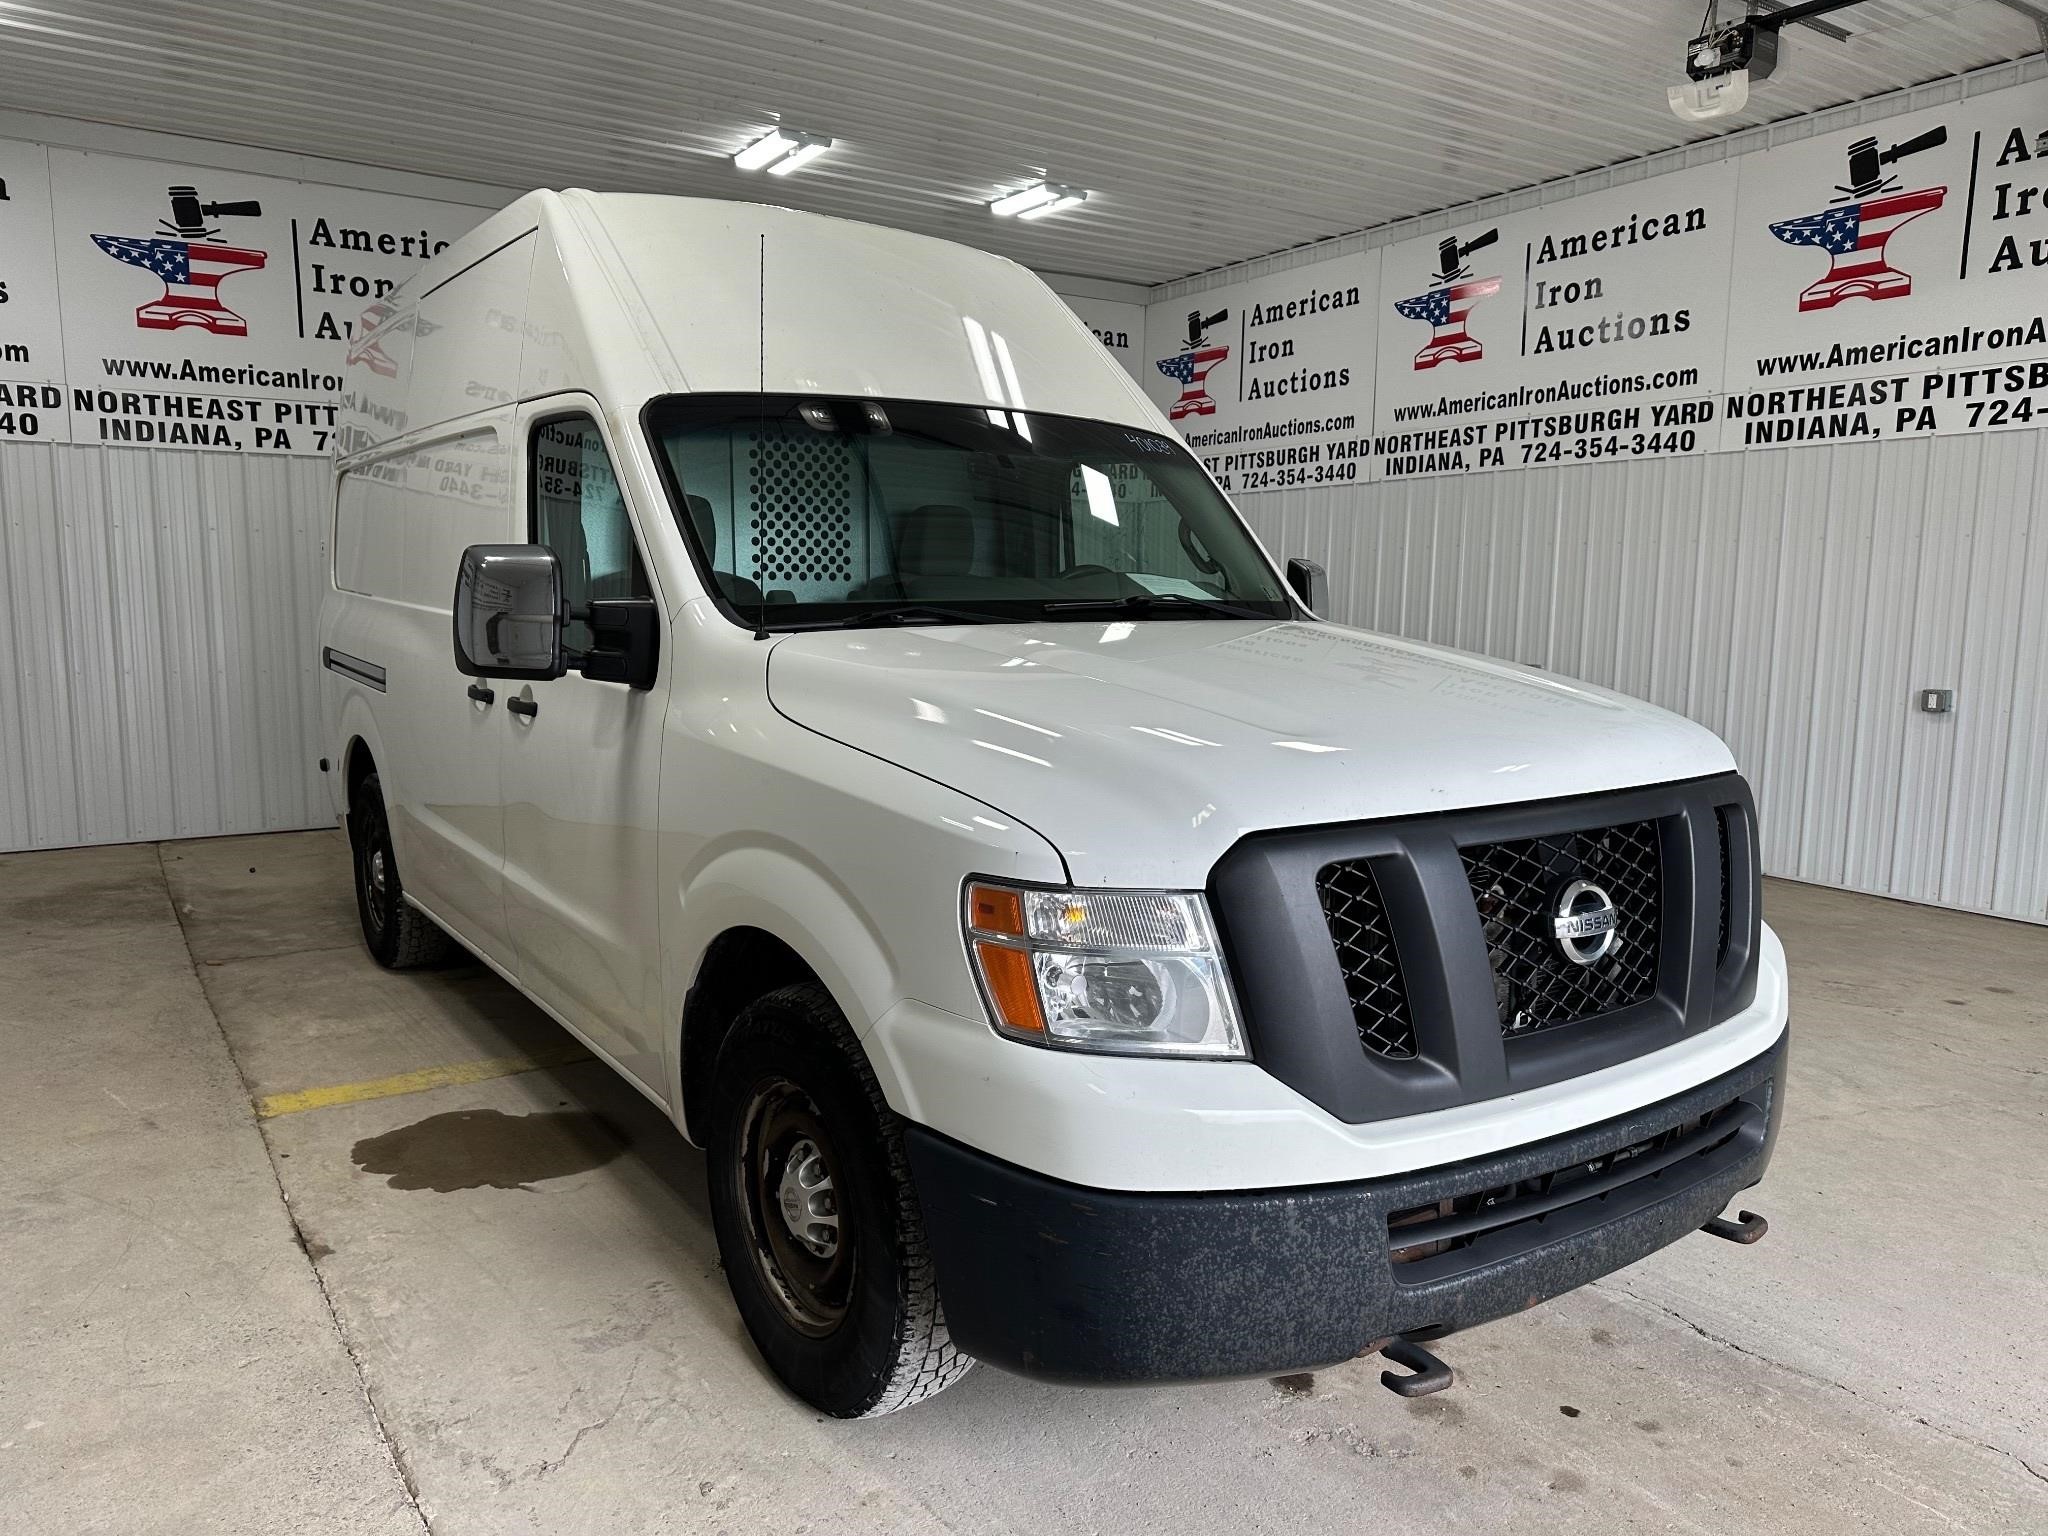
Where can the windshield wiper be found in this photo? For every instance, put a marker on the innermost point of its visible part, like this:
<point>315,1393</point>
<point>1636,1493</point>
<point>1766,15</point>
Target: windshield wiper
<point>891,613</point>
<point>913,613</point>
<point>1146,602</point>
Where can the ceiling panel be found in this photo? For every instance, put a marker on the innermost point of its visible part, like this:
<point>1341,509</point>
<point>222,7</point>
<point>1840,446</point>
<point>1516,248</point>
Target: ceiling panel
<point>1208,131</point>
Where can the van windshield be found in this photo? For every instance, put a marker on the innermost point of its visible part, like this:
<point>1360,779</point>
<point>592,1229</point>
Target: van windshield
<point>814,511</point>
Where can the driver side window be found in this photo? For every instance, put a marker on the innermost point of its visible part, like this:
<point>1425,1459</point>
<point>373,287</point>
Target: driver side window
<point>579,512</point>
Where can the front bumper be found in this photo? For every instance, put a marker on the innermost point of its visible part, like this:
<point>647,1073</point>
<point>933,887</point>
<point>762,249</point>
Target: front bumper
<point>1072,1284</point>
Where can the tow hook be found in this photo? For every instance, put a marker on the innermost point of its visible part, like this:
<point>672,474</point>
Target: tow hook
<point>1746,1228</point>
<point>1426,1373</point>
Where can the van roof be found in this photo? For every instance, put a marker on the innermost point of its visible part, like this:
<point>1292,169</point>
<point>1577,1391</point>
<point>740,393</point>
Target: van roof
<point>637,295</point>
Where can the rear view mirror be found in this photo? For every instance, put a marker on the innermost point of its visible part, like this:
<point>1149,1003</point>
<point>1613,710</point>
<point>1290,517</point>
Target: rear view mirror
<point>1310,583</point>
<point>508,612</point>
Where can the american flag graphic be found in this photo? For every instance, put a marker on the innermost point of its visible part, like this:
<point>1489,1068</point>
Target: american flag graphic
<point>1191,370</point>
<point>1445,309</point>
<point>1855,235</point>
<point>192,271</point>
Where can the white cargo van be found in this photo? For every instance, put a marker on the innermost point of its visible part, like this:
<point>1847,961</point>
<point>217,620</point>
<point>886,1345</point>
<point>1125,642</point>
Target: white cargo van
<point>797,657</point>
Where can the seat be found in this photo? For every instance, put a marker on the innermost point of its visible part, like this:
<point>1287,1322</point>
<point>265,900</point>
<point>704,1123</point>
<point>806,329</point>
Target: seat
<point>738,590</point>
<point>938,539</point>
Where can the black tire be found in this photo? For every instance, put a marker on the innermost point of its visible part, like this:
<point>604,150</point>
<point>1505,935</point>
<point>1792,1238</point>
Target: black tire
<point>856,1332</point>
<point>399,935</point>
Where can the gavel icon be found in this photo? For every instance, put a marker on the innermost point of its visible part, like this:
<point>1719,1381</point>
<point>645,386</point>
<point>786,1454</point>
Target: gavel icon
<point>1199,323</point>
<point>189,215</point>
<point>1450,255</point>
<point>1867,161</point>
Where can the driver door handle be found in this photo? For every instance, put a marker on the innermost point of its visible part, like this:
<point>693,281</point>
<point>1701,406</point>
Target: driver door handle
<point>481,694</point>
<point>526,707</point>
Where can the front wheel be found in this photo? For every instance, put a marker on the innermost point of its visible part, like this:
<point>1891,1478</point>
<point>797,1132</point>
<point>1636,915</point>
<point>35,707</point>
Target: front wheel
<point>399,935</point>
<point>818,1224</point>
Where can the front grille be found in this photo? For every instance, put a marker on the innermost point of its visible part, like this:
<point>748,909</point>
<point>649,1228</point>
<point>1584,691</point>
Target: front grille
<point>1365,949</point>
<point>1721,818</point>
<point>1517,886</point>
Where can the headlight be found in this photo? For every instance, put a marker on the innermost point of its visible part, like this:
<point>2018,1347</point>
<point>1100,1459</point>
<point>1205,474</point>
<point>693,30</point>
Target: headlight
<point>1130,972</point>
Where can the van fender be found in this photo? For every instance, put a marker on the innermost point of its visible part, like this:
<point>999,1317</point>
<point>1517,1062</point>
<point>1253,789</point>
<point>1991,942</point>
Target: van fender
<point>809,911</point>
<point>357,723</point>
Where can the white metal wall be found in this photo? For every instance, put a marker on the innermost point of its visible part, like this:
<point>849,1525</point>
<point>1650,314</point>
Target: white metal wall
<point>1792,599</point>
<point>160,676</point>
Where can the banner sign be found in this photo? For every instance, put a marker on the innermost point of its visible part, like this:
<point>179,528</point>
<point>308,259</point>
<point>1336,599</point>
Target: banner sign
<point>1883,281</point>
<point>171,306</point>
<point>1895,280</point>
<point>1592,328</point>
<point>1271,381</point>
<point>1120,327</point>
<point>32,404</point>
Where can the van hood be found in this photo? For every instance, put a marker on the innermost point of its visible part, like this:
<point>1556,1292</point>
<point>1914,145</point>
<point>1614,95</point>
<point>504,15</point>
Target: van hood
<point>1142,751</point>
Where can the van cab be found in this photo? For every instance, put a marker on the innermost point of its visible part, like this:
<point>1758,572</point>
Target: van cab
<point>797,657</point>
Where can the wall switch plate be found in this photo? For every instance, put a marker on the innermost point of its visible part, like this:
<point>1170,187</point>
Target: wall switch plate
<point>1937,701</point>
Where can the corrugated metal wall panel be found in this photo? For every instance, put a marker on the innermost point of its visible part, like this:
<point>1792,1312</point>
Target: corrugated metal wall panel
<point>1792,599</point>
<point>160,616</point>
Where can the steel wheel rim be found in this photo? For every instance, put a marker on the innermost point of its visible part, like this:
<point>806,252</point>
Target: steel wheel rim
<point>789,1184</point>
<point>373,876</point>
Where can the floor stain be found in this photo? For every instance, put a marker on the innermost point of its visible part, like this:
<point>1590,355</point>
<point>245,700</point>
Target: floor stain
<point>84,904</point>
<point>1301,1384</point>
<point>1564,1480</point>
<point>488,1149</point>
<point>1649,1426</point>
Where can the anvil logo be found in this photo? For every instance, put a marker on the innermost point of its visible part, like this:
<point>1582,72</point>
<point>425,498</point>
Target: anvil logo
<point>1869,211</point>
<point>192,265</point>
<point>366,343</point>
<point>1446,306</point>
<point>1190,367</point>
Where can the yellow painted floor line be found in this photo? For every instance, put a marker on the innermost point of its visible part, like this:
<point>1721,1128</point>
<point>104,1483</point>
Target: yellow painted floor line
<point>270,1106</point>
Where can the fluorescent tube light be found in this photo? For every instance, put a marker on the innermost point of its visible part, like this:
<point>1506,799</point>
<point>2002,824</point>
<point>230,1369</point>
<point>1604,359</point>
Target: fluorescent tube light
<point>773,146</point>
<point>809,147</point>
<point>781,151</point>
<point>1033,196</point>
<point>1063,197</point>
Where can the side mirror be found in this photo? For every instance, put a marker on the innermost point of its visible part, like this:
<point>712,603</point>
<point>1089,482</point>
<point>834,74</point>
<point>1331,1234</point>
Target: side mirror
<point>625,641</point>
<point>508,612</point>
<point>1311,583</point>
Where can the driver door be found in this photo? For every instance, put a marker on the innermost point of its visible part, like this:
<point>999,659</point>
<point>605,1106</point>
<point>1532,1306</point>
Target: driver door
<point>582,763</point>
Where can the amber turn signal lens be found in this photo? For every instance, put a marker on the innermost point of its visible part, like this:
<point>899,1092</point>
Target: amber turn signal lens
<point>990,910</point>
<point>1010,986</point>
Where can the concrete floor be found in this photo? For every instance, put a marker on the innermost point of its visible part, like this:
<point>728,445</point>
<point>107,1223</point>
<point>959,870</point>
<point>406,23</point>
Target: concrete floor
<point>495,1306</point>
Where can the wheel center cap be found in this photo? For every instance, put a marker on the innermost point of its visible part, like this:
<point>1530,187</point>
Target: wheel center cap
<point>807,1200</point>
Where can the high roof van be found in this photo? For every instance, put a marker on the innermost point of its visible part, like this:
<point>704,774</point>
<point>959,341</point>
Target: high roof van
<point>800,660</point>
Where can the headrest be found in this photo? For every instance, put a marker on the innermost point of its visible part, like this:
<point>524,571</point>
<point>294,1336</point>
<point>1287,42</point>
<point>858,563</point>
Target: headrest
<point>935,540</point>
<point>705,524</point>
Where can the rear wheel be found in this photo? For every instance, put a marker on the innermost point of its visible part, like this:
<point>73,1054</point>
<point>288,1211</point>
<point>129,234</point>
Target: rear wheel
<point>818,1224</point>
<point>399,935</point>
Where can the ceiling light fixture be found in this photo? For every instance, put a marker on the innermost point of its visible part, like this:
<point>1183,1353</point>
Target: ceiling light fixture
<point>809,147</point>
<point>1037,200</point>
<point>781,150</point>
